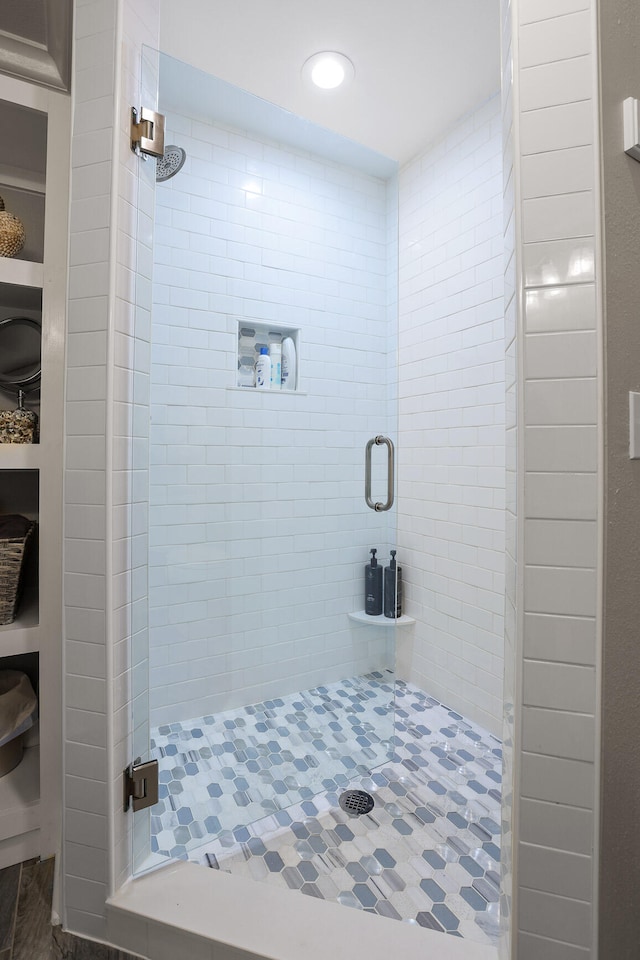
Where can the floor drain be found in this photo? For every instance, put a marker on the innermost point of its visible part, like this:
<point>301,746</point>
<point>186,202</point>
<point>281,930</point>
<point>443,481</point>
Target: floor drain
<point>356,802</point>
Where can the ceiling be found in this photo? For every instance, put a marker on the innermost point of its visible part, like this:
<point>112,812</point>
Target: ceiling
<point>420,64</point>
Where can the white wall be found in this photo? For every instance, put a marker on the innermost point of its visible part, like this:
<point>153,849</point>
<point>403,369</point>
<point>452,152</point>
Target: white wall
<point>451,410</point>
<point>258,528</point>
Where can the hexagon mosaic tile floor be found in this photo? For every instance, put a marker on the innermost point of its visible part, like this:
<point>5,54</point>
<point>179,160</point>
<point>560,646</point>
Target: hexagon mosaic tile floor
<point>255,792</point>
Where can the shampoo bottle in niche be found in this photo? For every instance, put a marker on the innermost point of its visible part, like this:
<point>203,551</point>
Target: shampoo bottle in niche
<point>288,364</point>
<point>275,352</point>
<point>263,370</point>
<point>373,587</point>
<point>393,589</point>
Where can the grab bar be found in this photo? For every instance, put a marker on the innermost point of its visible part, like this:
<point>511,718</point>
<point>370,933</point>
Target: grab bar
<point>378,507</point>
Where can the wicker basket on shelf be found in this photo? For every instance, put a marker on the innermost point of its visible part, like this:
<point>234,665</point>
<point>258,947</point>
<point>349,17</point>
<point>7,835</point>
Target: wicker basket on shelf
<point>15,533</point>
<point>12,235</point>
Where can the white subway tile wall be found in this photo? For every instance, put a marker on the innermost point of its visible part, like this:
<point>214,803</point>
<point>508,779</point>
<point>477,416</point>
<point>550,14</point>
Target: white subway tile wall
<point>99,584</point>
<point>87,701</point>
<point>452,414</point>
<point>258,528</point>
<point>558,506</point>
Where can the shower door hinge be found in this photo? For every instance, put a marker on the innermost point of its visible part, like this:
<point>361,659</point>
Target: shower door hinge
<point>147,132</point>
<point>140,784</point>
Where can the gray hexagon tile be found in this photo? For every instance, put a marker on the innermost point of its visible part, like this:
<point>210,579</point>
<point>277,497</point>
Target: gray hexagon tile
<point>255,792</point>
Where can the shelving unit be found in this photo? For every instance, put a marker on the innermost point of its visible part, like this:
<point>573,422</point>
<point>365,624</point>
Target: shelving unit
<point>34,173</point>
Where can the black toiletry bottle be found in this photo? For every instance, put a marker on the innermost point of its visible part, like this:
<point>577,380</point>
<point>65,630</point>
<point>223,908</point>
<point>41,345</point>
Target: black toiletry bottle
<point>393,589</point>
<point>373,587</point>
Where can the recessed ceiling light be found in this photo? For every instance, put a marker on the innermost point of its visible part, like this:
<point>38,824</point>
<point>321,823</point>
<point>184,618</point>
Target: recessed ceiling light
<point>328,70</point>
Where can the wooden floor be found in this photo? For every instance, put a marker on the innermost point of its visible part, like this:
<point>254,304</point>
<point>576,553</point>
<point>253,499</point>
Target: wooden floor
<point>26,933</point>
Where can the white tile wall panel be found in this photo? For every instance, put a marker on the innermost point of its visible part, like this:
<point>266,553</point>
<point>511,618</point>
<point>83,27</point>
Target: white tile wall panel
<point>555,871</point>
<point>561,543</point>
<point>559,38</point>
<point>560,590</point>
<point>531,11</point>
<point>563,639</point>
<point>559,449</point>
<point>556,128</point>
<point>561,356</point>
<point>86,862</point>
<point>561,496</point>
<point>556,826</point>
<point>559,686</point>
<point>552,84</point>
<point>557,172</point>
<point>231,562</point>
<point>451,402</point>
<point>532,947</point>
<point>559,309</point>
<point>557,733</point>
<point>555,155</point>
<point>98,379</point>
<point>554,262</point>
<point>560,402</point>
<point>558,216</point>
<point>560,918</point>
<point>557,780</point>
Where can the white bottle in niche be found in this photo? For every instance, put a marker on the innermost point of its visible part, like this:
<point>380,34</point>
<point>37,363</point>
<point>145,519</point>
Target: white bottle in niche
<point>288,364</point>
<point>263,370</point>
<point>275,352</point>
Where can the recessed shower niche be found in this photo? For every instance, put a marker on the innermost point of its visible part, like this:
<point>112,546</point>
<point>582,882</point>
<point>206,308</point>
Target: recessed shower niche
<point>254,337</point>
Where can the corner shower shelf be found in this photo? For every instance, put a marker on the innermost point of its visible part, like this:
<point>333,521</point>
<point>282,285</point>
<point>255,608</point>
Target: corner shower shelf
<point>381,621</point>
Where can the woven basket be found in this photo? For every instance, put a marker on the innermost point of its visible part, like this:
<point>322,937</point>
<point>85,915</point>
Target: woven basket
<point>12,235</point>
<point>15,534</point>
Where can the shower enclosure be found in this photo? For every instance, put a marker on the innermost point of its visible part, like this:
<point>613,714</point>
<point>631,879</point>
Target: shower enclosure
<point>271,691</point>
<point>259,529</point>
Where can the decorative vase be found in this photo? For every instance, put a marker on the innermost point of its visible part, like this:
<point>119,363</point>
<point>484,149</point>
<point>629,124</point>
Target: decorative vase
<point>12,235</point>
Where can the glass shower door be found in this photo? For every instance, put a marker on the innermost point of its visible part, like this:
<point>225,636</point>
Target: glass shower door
<point>270,687</point>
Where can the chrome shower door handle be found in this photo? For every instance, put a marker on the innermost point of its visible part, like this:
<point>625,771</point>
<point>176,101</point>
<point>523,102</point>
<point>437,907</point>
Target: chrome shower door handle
<point>377,441</point>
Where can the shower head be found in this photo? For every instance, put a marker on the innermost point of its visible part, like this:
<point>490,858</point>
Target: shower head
<point>169,163</point>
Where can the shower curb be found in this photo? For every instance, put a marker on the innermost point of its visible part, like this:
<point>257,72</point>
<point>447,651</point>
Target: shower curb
<point>208,911</point>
